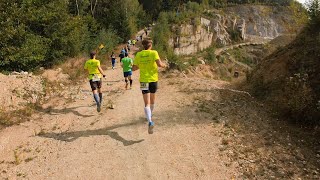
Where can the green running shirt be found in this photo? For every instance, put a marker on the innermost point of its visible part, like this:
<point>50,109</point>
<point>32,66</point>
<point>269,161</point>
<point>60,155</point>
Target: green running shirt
<point>127,64</point>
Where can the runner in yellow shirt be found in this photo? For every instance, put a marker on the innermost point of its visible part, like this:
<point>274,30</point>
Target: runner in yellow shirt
<point>95,75</point>
<point>148,62</point>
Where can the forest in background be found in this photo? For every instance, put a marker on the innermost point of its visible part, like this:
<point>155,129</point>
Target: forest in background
<point>37,33</point>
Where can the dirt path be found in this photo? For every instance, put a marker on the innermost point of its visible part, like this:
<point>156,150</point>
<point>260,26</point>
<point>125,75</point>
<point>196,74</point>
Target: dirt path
<point>204,130</point>
<point>219,51</point>
<point>73,141</point>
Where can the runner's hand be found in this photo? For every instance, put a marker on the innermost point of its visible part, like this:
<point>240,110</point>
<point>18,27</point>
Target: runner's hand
<point>166,63</point>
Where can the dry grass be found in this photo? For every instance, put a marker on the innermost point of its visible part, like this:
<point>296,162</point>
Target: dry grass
<point>17,159</point>
<point>8,118</point>
<point>74,68</point>
<point>29,159</point>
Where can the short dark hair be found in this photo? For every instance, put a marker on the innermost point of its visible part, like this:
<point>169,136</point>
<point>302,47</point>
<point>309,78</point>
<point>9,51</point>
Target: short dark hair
<point>92,54</point>
<point>146,43</point>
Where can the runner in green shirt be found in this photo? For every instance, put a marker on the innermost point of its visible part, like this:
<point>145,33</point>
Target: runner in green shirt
<point>127,64</point>
<point>148,62</point>
<point>95,75</point>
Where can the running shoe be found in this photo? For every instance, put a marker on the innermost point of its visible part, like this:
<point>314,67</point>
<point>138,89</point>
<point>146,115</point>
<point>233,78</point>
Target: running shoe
<point>150,128</point>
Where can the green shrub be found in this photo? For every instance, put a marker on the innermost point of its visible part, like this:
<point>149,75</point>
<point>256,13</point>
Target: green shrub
<point>194,61</point>
<point>235,35</point>
<point>210,55</point>
<point>175,62</point>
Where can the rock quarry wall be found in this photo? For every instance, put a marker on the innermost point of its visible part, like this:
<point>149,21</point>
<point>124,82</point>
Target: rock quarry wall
<point>252,23</point>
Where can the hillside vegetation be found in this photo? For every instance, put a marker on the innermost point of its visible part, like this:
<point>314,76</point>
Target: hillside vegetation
<point>43,33</point>
<point>186,30</point>
<point>289,78</point>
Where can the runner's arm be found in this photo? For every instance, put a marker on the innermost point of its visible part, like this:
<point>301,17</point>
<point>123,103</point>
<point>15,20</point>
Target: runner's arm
<point>101,71</point>
<point>160,63</point>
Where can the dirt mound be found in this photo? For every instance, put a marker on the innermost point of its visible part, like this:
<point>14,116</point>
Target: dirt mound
<point>23,93</point>
<point>19,89</point>
<point>19,93</point>
<point>289,78</point>
<point>55,75</point>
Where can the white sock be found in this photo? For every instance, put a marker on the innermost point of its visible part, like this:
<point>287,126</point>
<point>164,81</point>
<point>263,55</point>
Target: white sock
<point>147,111</point>
<point>151,107</point>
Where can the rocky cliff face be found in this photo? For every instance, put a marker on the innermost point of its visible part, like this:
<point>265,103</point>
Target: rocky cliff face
<point>192,38</point>
<point>250,23</point>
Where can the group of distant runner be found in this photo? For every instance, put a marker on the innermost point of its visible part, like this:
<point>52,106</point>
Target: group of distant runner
<point>147,61</point>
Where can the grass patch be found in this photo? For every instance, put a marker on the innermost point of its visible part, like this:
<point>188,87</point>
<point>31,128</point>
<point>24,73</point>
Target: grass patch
<point>241,55</point>
<point>74,68</point>
<point>9,118</point>
<point>175,62</point>
<point>193,61</point>
<point>17,159</point>
<point>210,56</point>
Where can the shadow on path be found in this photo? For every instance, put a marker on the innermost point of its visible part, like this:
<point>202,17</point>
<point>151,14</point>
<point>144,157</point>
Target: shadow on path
<point>52,111</point>
<point>104,91</point>
<point>72,136</point>
<point>114,81</point>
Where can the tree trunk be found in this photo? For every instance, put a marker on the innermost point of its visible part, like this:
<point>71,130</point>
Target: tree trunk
<point>77,7</point>
<point>93,7</point>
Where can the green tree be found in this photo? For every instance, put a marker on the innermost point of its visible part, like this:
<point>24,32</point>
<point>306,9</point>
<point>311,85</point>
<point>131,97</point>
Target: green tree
<point>52,20</point>
<point>79,7</point>
<point>313,7</point>
<point>161,34</point>
<point>36,33</point>
<point>12,31</point>
<point>120,15</point>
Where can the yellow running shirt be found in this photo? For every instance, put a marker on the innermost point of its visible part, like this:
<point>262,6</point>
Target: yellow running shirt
<point>92,66</point>
<point>146,61</point>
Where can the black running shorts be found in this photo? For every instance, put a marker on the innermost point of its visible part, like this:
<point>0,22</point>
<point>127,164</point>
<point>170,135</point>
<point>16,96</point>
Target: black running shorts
<point>95,85</point>
<point>153,86</point>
